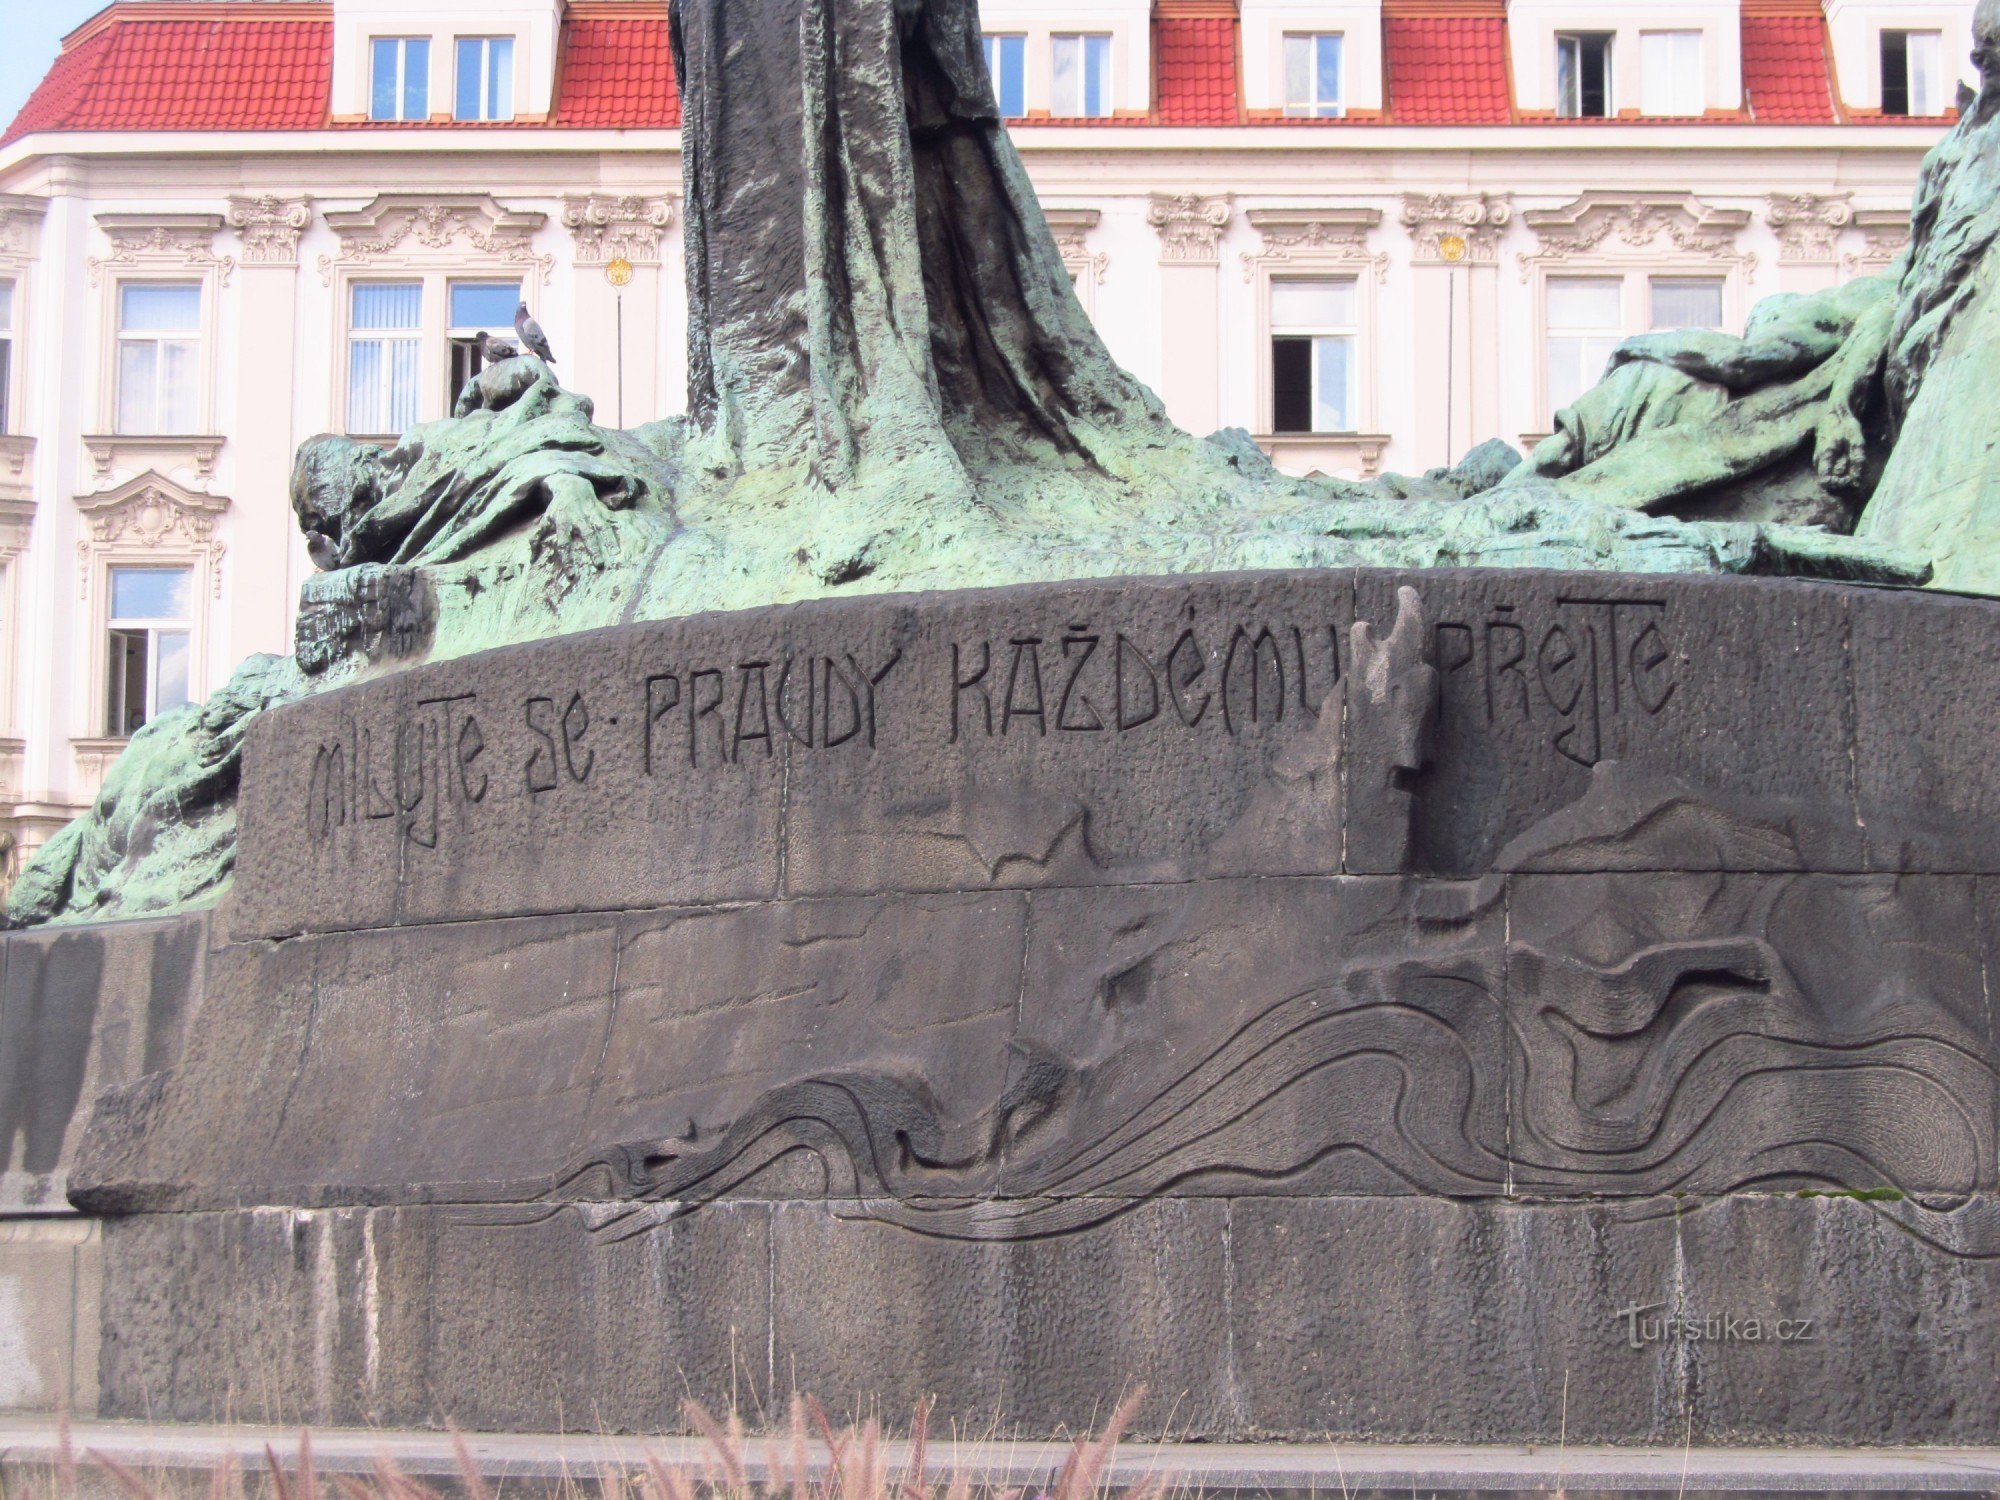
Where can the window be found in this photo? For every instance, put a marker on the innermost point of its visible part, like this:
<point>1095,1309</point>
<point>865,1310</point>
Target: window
<point>1586,324</point>
<point>1670,73</point>
<point>1583,76</point>
<point>1007,62</point>
<point>400,86</point>
<point>1312,76</point>
<point>150,639</point>
<point>159,356</point>
<point>477,307</point>
<point>485,78</point>
<point>1913,73</point>
<point>383,356</point>
<point>1082,77</point>
<point>6,355</point>
<point>1312,356</point>
<point>1683,302</point>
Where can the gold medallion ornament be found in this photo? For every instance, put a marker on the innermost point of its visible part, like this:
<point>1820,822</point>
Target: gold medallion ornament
<point>619,272</point>
<point>1452,247</point>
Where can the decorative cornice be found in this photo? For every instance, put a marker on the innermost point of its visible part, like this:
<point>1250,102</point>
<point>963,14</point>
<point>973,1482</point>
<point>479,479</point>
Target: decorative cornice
<point>17,519</point>
<point>1071,227</point>
<point>1321,236</point>
<point>162,239</point>
<point>20,225</point>
<point>1808,226</point>
<point>1599,224</point>
<point>1885,234</point>
<point>270,227</point>
<point>150,512</point>
<point>395,224</point>
<point>1457,228</point>
<point>111,451</point>
<point>609,227</point>
<point>1190,227</point>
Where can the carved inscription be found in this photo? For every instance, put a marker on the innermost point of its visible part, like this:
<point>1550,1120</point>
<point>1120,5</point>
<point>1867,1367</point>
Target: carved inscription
<point>407,771</point>
<point>1572,672</point>
<point>1082,681</point>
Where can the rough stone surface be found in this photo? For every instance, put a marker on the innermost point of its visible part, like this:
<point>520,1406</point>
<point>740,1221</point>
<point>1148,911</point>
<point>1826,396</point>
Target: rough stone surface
<point>1340,1072</point>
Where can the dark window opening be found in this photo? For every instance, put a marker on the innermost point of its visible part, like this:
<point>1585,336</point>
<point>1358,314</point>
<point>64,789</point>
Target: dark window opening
<point>1291,384</point>
<point>1895,72</point>
<point>1583,76</point>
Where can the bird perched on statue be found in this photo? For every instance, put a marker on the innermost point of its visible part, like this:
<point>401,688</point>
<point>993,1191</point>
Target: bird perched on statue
<point>492,350</point>
<point>529,332</point>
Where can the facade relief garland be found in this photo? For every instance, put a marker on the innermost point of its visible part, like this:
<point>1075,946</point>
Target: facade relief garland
<point>1071,228</point>
<point>1885,234</point>
<point>162,239</point>
<point>1808,226</point>
<point>1599,224</point>
<point>395,222</point>
<point>1317,236</point>
<point>149,514</point>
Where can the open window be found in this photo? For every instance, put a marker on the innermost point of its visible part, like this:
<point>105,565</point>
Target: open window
<point>476,307</point>
<point>1314,325</point>
<point>149,645</point>
<point>1913,73</point>
<point>1583,75</point>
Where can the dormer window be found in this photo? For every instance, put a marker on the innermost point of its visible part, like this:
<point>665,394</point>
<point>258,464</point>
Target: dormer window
<point>1670,73</point>
<point>1913,73</point>
<point>1313,75</point>
<point>1007,63</point>
<point>399,78</point>
<point>1583,75</point>
<point>1081,76</point>
<point>485,78</point>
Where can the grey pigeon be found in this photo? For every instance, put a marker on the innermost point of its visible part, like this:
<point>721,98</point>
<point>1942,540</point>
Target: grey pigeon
<point>492,350</point>
<point>531,336</point>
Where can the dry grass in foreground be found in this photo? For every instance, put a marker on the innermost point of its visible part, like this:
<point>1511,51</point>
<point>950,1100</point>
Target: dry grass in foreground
<point>853,1465</point>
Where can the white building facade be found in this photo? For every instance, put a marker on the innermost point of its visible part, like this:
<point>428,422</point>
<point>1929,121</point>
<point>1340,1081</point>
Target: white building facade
<point>1372,232</point>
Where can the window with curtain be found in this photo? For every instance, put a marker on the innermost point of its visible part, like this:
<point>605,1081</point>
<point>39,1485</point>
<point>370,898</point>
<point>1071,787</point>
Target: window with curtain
<point>1913,73</point>
<point>1312,75</point>
<point>1007,63</point>
<point>1586,321</point>
<point>159,357</point>
<point>476,307</point>
<point>384,356</point>
<point>1081,84</point>
<point>6,356</point>
<point>150,636</point>
<point>485,78</point>
<point>399,78</point>
<point>1313,336</point>
<point>1670,73</point>
<point>1583,76</point>
<point>1686,302</point>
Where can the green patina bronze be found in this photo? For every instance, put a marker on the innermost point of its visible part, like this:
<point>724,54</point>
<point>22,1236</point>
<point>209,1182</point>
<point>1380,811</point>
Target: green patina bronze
<point>893,388</point>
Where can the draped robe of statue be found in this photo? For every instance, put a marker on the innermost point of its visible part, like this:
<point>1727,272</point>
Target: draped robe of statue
<point>871,280</point>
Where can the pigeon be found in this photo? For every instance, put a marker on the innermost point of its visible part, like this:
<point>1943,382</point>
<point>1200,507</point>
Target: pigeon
<point>492,350</point>
<point>530,334</point>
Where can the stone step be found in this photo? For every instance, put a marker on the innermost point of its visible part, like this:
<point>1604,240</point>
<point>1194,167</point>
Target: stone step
<point>178,1459</point>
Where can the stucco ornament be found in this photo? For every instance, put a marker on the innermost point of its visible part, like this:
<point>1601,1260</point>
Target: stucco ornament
<point>893,387</point>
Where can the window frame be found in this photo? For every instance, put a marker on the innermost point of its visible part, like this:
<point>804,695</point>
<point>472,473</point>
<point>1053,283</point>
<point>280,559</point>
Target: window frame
<point>1085,41</point>
<point>402,44</point>
<point>489,108</point>
<point>202,336</point>
<point>1344,256</point>
<point>462,336</point>
<point>350,336</point>
<point>1350,333</point>
<point>991,46</point>
<point>155,628</point>
<point>1636,276</point>
<point>1908,87</point>
<point>1577,39</point>
<point>1315,108</point>
<point>9,341</point>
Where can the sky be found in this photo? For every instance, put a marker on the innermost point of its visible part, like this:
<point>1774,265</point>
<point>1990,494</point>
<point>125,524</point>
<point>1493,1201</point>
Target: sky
<point>32,29</point>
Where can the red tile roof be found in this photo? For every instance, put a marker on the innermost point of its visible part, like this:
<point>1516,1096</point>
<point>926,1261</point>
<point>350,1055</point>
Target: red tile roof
<point>617,72</point>
<point>1196,70</point>
<point>1786,79</point>
<point>266,65</point>
<point>209,67</point>
<point>1446,69</point>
